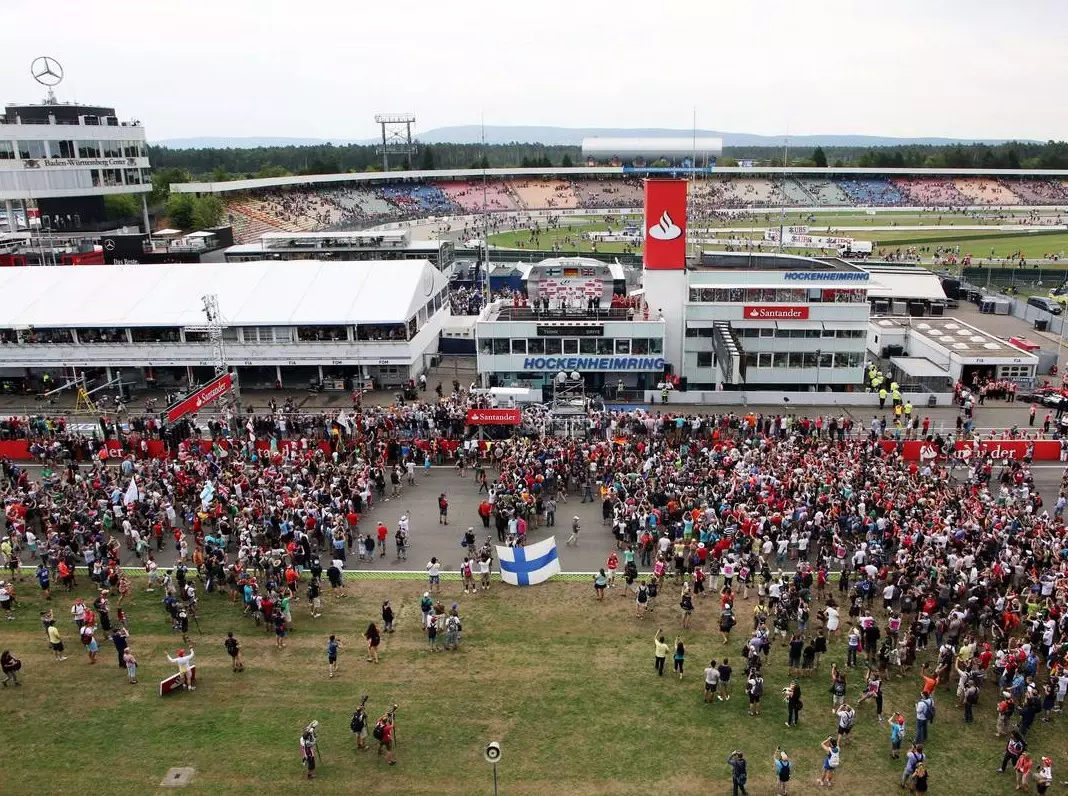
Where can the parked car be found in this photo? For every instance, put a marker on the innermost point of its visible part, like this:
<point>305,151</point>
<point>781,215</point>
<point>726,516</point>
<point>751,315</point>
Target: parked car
<point>1043,303</point>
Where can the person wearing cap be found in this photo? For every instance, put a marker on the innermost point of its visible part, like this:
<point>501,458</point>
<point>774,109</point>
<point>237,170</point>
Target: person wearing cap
<point>572,540</point>
<point>1044,775</point>
<point>185,665</point>
<point>897,734</point>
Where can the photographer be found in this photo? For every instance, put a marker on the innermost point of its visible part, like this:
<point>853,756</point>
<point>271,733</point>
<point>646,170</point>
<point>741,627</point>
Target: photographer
<point>358,725</point>
<point>384,734</point>
<point>831,762</point>
<point>739,773</point>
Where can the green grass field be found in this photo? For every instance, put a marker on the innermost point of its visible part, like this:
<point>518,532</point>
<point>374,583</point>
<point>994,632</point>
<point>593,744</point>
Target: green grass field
<point>564,683</point>
<point>937,232</point>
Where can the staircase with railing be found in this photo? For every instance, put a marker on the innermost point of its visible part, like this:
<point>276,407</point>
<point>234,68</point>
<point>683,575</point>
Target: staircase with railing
<point>728,352</point>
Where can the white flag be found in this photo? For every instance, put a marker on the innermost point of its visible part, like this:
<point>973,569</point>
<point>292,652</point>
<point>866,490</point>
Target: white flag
<point>132,495</point>
<point>526,566</point>
<point>343,420</point>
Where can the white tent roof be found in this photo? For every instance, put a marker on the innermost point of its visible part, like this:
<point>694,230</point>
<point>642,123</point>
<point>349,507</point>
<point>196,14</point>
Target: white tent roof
<point>917,283</point>
<point>920,367</point>
<point>272,293</point>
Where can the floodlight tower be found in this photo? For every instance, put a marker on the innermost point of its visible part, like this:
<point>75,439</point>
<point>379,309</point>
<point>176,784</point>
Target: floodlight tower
<point>396,137</point>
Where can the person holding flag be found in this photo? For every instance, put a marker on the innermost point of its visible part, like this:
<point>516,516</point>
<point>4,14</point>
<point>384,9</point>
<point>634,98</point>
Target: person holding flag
<point>308,751</point>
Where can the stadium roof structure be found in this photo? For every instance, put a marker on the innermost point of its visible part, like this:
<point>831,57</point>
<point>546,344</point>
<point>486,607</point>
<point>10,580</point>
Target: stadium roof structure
<point>261,293</point>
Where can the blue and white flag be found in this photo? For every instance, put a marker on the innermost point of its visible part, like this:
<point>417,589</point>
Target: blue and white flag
<point>525,566</point>
<point>206,495</point>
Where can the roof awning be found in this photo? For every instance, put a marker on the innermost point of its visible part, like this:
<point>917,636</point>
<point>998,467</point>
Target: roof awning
<point>754,324</point>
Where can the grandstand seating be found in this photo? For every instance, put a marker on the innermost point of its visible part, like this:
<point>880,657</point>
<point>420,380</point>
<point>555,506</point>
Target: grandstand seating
<point>984,191</point>
<point>415,198</point>
<point>794,193</point>
<point>471,196</point>
<point>1038,191</point>
<point>544,194</point>
<point>356,205</point>
<point>825,193</point>
<point>930,191</point>
<point>249,225</point>
<point>872,192</point>
<point>344,206</point>
<point>607,193</point>
<point>749,191</point>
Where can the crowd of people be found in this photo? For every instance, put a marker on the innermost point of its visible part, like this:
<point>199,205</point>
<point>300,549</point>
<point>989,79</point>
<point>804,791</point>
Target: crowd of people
<point>715,508</point>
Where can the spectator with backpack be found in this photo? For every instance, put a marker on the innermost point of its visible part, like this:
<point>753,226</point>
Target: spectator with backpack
<point>383,732</point>
<point>1015,747</point>
<point>1006,710</point>
<point>233,649</point>
<point>782,772</point>
<point>912,759</point>
<point>897,734</point>
<point>358,725</point>
<point>831,761</point>
<point>925,713</point>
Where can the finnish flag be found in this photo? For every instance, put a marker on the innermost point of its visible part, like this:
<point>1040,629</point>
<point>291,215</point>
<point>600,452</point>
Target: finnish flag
<point>525,566</point>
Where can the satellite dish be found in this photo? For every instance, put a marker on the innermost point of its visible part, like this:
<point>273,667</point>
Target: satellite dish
<point>575,375</point>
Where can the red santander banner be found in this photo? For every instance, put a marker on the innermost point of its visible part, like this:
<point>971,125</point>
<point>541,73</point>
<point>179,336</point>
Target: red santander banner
<point>212,391</point>
<point>494,417</point>
<point>775,313</point>
<point>1045,450</point>
<point>665,225</point>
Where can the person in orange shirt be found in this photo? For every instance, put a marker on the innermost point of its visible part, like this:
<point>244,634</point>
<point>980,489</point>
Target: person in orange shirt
<point>929,683</point>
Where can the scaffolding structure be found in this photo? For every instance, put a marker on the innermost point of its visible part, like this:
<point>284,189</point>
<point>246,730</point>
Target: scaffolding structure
<point>396,137</point>
<point>214,330</point>
<point>569,407</point>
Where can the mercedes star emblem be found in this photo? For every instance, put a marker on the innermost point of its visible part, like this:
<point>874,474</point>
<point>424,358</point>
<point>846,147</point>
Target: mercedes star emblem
<point>109,244</point>
<point>46,71</point>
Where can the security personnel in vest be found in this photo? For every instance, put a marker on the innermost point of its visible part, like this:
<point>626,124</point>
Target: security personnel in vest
<point>908,411</point>
<point>882,397</point>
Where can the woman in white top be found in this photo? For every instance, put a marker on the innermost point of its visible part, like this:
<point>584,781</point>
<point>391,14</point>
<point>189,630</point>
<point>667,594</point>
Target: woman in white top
<point>831,621</point>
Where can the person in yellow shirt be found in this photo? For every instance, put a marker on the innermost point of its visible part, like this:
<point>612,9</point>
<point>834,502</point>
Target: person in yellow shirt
<point>56,642</point>
<point>660,652</point>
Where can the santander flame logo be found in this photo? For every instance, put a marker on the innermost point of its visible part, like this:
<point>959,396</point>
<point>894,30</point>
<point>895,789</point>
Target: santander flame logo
<point>665,229</point>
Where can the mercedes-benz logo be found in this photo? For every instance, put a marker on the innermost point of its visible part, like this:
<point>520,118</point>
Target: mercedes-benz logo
<point>109,244</point>
<point>46,71</point>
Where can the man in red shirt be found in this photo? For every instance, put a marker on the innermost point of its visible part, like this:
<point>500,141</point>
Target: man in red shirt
<point>382,532</point>
<point>384,733</point>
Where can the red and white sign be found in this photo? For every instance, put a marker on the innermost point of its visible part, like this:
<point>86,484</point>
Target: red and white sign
<point>797,312</point>
<point>174,682</point>
<point>665,225</point>
<point>212,391</point>
<point>1045,450</point>
<point>494,417</point>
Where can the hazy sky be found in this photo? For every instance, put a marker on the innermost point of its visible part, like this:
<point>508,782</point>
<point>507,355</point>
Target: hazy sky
<point>959,68</point>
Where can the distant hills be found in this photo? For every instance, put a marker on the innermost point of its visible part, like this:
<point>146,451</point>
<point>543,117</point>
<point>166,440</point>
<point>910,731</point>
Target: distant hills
<point>571,136</point>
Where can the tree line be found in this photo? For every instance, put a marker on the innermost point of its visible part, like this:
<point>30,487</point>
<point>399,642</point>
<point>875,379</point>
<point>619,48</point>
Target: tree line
<point>218,164</point>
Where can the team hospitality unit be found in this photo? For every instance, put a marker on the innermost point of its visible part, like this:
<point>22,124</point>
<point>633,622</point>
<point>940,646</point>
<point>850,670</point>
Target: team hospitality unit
<point>810,532</point>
